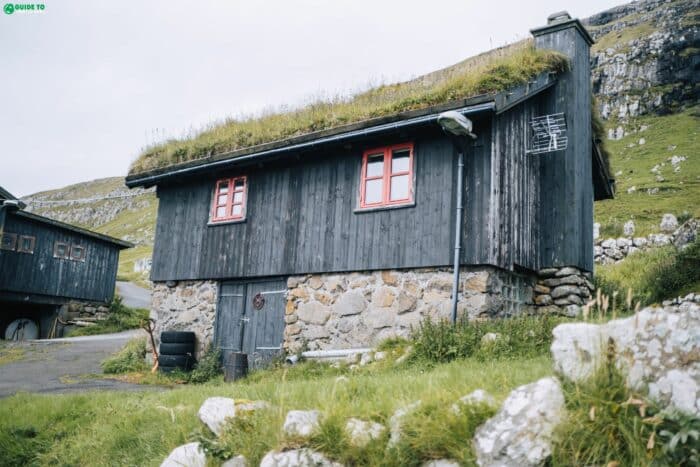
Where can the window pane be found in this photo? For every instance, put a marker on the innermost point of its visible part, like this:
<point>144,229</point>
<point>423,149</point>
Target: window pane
<point>375,165</point>
<point>238,184</point>
<point>222,199</point>
<point>221,211</point>
<point>223,187</point>
<point>373,191</point>
<point>238,197</point>
<point>400,161</point>
<point>399,188</point>
<point>237,209</point>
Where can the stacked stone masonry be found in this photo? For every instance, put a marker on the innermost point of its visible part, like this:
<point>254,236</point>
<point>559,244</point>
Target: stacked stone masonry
<point>186,306</point>
<point>336,311</point>
<point>562,290</point>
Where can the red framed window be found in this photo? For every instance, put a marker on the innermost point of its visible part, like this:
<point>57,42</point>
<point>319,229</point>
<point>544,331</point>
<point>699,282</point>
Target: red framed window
<point>229,199</point>
<point>387,176</point>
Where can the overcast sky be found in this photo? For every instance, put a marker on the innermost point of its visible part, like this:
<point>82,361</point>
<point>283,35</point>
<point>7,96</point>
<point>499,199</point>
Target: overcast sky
<point>85,85</point>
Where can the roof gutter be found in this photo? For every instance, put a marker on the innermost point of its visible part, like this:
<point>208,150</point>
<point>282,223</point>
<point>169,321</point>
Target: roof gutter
<point>150,180</point>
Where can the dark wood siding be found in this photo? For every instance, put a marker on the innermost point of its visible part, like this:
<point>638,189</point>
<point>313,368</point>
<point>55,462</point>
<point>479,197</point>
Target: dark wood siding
<point>567,209</point>
<point>301,217</point>
<point>42,274</point>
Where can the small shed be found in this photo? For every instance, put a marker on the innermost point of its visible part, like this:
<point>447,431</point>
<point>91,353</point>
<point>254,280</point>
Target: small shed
<point>45,264</point>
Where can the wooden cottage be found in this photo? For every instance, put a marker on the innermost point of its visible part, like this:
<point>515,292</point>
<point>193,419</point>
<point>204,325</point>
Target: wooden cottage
<point>45,264</point>
<point>341,237</point>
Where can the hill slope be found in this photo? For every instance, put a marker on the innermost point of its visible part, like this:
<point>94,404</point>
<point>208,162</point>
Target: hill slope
<point>645,71</point>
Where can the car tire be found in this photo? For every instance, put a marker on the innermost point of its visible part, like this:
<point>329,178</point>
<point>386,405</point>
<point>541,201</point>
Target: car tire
<point>167,348</point>
<point>177,337</point>
<point>184,362</point>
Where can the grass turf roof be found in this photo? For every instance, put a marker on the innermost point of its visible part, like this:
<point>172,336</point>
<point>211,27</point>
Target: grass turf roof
<point>490,72</point>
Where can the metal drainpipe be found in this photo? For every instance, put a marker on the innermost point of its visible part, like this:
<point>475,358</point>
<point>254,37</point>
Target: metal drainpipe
<point>458,232</point>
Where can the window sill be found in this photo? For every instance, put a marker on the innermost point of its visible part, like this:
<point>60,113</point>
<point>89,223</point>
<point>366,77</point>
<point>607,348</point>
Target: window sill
<point>385,208</point>
<point>232,221</point>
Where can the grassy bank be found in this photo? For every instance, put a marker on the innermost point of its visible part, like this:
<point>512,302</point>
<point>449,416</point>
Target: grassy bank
<point>120,318</point>
<point>141,428</point>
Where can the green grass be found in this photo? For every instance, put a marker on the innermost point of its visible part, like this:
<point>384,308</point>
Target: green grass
<point>129,359</point>
<point>120,318</point>
<point>679,192</point>
<point>142,428</point>
<point>490,72</point>
<point>654,275</point>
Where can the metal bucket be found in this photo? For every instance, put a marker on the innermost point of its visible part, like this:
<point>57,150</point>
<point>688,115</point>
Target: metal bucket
<point>235,365</point>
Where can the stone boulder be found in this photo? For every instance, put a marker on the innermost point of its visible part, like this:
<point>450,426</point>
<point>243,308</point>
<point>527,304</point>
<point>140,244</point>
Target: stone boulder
<point>215,411</point>
<point>188,455</point>
<point>658,349</point>
<point>441,463</point>
<point>397,419</point>
<point>297,458</point>
<point>301,423</point>
<point>361,432</point>
<point>478,396</point>
<point>238,461</point>
<point>686,234</point>
<point>520,434</point>
<point>669,223</point>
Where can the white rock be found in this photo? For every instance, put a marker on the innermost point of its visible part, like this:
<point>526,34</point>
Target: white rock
<point>301,422</point>
<point>361,432</point>
<point>238,461</point>
<point>520,434</point>
<point>639,242</point>
<point>669,223</point>
<point>187,455</point>
<point>378,356</point>
<point>642,141</point>
<point>489,338</point>
<point>441,463</point>
<point>478,396</point>
<point>596,231</point>
<point>367,358</point>
<point>631,189</point>
<point>396,420</point>
<point>609,243</point>
<point>297,458</point>
<point>215,411</point>
<point>628,228</point>
<point>654,348</point>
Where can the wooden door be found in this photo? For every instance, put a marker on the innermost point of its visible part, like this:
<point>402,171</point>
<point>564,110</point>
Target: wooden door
<point>250,319</point>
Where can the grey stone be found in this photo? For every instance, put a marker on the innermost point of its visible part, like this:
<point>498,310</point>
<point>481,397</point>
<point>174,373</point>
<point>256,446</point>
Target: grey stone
<point>656,348</point>
<point>478,396</point>
<point>596,231</point>
<point>567,280</point>
<point>564,290</point>
<point>669,223</point>
<point>313,312</point>
<point>301,423</point>
<point>350,303</point>
<point>686,234</point>
<point>361,432</point>
<point>441,463</point>
<point>567,271</point>
<point>297,458</point>
<point>187,455</point>
<point>489,338</point>
<point>628,228</point>
<point>520,434</point>
<point>238,461</point>
<point>367,358</point>
<point>215,412</point>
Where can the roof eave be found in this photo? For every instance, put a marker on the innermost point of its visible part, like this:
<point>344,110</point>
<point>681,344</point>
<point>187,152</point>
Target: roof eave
<point>122,244</point>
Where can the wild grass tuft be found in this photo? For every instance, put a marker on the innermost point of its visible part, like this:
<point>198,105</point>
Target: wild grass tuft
<point>490,72</point>
<point>208,367</point>
<point>129,359</point>
<point>517,337</point>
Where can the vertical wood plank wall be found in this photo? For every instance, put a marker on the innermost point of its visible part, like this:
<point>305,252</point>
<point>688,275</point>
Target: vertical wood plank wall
<point>41,273</point>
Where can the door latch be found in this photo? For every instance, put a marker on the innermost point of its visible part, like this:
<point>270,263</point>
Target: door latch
<point>245,320</point>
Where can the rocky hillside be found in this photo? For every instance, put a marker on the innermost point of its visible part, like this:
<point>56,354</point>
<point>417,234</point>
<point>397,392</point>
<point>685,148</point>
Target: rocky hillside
<point>646,69</point>
<point>107,206</point>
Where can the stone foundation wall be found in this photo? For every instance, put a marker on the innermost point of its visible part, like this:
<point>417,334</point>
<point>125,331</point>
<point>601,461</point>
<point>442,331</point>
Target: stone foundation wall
<point>360,309</point>
<point>186,306</point>
<point>562,290</point>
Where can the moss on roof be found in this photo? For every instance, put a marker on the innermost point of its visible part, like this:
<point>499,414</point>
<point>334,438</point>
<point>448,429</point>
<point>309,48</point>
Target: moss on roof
<point>489,72</point>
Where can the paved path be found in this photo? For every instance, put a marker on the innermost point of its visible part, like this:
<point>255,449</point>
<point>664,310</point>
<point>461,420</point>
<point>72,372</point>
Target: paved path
<point>133,295</point>
<point>62,365</point>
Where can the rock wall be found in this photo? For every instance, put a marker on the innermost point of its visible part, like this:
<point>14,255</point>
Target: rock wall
<point>614,250</point>
<point>336,311</point>
<point>186,306</point>
<point>562,290</point>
